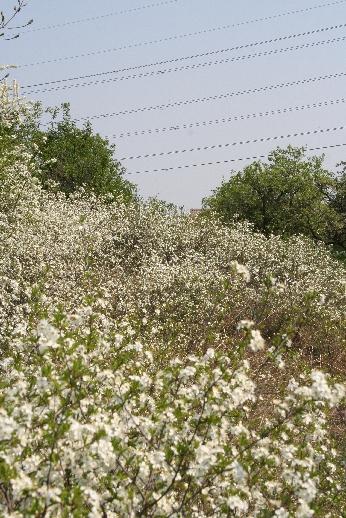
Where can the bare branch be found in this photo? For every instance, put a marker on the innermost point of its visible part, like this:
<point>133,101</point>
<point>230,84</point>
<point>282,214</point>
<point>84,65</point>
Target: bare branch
<point>5,20</point>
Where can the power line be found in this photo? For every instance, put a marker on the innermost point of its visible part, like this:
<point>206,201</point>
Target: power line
<point>102,16</point>
<point>193,56</point>
<point>181,36</point>
<point>190,67</point>
<point>231,160</point>
<point>224,120</point>
<point>227,95</point>
<point>232,144</point>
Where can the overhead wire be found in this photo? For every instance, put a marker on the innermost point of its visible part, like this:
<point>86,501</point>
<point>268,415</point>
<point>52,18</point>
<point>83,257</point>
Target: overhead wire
<point>182,36</point>
<point>213,147</point>
<point>189,67</point>
<point>102,16</point>
<point>225,120</point>
<point>192,56</point>
<point>201,65</point>
<point>227,95</point>
<point>227,161</point>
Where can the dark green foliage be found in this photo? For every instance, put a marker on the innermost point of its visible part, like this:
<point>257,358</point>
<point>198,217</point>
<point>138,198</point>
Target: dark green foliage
<point>74,157</point>
<point>290,194</point>
<point>339,204</point>
<point>67,157</point>
<point>340,197</point>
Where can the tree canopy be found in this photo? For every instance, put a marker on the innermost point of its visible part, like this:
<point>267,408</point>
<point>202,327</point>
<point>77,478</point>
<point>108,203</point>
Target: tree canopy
<point>289,194</point>
<point>74,157</point>
<point>69,157</point>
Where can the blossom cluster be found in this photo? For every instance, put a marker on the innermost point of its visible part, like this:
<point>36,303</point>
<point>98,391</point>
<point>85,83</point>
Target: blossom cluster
<point>89,426</point>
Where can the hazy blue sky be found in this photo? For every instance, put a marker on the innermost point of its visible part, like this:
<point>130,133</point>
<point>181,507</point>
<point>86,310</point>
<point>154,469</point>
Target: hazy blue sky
<point>188,186</point>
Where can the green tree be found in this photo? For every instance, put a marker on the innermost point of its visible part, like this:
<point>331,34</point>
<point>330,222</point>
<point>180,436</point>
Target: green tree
<point>340,197</point>
<point>73,157</point>
<point>290,194</point>
<point>67,157</point>
<point>339,204</point>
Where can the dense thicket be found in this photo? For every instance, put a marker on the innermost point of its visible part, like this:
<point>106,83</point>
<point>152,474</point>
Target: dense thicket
<point>158,365</point>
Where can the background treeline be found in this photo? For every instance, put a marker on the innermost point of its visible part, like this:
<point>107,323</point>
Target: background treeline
<point>290,194</point>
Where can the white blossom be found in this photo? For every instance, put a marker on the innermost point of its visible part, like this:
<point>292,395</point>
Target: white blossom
<point>256,342</point>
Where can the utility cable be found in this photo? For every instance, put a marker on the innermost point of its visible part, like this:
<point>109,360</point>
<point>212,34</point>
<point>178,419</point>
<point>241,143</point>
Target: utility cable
<point>225,120</point>
<point>232,144</point>
<point>102,16</point>
<point>181,36</point>
<point>193,56</point>
<point>189,67</point>
<point>231,160</point>
<point>227,95</point>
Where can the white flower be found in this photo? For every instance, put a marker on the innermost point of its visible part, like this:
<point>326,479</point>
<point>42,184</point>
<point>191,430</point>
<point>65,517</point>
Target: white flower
<point>94,501</point>
<point>206,456</point>
<point>279,361</point>
<point>257,342</point>
<point>320,389</point>
<point>143,380</point>
<point>235,503</point>
<point>210,354</point>
<point>245,324</point>
<point>7,425</point>
<point>281,513</point>
<point>187,372</point>
<point>47,336</point>
<point>149,355</point>
<point>157,459</point>
<point>307,491</point>
<point>241,270</point>
<point>118,339</point>
<point>321,300</point>
<point>137,346</point>
<point>304,510</point>
<point>239,474</point>
<point>20,484</point>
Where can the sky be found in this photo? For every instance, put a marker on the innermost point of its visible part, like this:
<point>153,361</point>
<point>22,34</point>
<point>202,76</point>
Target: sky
<point>77,48</point>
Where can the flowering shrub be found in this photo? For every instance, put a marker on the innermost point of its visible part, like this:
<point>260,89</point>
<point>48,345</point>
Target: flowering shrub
<point>174,276</point>
<point>90,427</point>
<point>153,364</point>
